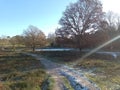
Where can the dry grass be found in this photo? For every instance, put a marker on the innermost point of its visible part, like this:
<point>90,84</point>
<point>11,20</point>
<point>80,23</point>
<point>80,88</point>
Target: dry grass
<point>20,72</point>
<point>106,72</point>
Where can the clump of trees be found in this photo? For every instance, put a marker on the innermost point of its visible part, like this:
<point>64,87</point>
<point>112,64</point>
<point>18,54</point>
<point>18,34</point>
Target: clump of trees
<point>85,25</point>
<point>16,41</point>
<point>11,42</point>
<point>32,37</point>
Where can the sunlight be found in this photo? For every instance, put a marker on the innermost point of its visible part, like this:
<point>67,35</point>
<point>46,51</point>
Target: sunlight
<point>112,5</point>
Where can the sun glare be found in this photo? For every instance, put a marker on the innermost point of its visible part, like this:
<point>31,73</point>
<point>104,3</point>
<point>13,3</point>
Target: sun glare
<point>111,5</point>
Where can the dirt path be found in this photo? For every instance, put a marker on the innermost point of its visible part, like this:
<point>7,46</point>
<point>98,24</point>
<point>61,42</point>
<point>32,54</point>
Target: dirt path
<point>53,69</point>
<point>58,71</point>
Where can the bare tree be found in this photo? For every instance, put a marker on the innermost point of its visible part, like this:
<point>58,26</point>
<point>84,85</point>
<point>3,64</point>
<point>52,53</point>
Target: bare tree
<point>80,17</point>
<point>113,24</point>
<point>111,20</point>
<point>34,37</point>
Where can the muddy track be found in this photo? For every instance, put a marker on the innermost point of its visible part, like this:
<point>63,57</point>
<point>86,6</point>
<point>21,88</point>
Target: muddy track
<point>52,69</point>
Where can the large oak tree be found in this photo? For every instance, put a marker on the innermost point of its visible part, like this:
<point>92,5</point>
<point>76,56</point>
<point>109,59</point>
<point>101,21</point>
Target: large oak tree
<point>79,17</point>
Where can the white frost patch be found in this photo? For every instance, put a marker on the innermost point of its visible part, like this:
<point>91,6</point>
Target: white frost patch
<point>77,79</point>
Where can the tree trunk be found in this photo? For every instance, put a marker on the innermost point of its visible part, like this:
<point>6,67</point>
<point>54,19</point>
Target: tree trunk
<point>79,42</point>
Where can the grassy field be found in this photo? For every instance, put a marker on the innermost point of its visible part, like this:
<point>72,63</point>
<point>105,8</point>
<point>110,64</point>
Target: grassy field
<point>106,69</point>
<point>107,73</point>
<point>20,72</point>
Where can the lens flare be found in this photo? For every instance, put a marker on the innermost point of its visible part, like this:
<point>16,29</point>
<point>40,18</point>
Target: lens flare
<point>99,47</point>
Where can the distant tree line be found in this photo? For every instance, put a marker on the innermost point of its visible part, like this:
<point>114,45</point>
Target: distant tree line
<point>32,37</point>
<point>83,25</point>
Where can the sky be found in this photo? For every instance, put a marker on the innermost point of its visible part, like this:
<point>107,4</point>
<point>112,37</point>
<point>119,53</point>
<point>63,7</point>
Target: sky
<point>17,15</point>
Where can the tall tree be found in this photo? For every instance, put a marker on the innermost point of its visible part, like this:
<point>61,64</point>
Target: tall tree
<point>80,17</point>
<point>34,37</point>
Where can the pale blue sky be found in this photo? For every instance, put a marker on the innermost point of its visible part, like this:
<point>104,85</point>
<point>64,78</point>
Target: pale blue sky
<point>17,15</point>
